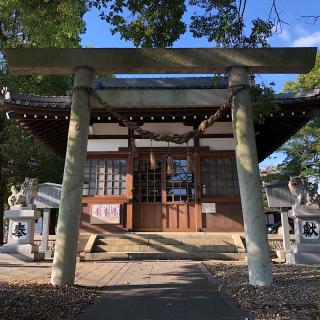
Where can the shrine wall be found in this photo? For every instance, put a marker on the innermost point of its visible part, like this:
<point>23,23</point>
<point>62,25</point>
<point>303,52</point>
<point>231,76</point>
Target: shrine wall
<point>96,145</point>
<point>220,128</point>
<point>175,127</point>
<point>218,143</point>
<point>108,129</point>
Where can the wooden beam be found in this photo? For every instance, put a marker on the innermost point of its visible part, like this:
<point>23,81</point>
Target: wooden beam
<point>24,61</point>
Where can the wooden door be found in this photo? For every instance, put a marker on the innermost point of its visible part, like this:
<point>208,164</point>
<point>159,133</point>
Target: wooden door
<point>178,217</point>
<point>147,196</point>
<point>163,202</point>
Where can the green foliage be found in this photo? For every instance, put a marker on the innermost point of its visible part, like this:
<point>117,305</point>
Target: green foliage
<point>303,149</point>
<point>33,23</point>
<point>303,152</point>
<point>38,23</point>
<point>158,23</point>
<point>41,23</point>
<point>305,81</point>
<point>36,84</point>
<point>263,101</point>
<point>223,22</point>
<point>24,156</point>
<point>148,23</point>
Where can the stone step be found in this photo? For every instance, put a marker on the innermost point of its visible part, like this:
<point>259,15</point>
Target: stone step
<point>100,256</point>
<point>165,241</point>
<point>163,235</point>
<point>165,248</point>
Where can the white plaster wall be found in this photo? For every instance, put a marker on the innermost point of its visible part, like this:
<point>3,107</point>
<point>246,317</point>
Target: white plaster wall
<point>175,128</point>
<point>106,144</point>
<point>218,143</point>
<point>108,128</point>
<point>220,127</point>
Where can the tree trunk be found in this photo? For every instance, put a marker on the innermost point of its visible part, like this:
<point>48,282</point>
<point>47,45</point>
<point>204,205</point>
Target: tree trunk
<point>2,183</point>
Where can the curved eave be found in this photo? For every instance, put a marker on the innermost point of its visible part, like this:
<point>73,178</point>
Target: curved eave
<point>48,120</point>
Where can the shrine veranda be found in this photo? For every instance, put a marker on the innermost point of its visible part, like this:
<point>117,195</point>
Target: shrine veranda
<point>121,192</point>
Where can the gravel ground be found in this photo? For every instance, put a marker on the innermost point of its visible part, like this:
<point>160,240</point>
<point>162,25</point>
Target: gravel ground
<point>295,294</point>
<point>38,300</point>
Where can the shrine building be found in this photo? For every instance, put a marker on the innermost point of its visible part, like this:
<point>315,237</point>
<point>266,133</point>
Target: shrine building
<point>122,191</point>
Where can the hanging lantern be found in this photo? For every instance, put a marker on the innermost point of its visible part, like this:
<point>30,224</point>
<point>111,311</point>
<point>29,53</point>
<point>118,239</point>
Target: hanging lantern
<point>189,162</point>
<point>134,150</point>
<point>153,160</point>
<point>170,165</point>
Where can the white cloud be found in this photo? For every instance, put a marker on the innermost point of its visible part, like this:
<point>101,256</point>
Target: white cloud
<point>311,40</point>
<point>284,35</point>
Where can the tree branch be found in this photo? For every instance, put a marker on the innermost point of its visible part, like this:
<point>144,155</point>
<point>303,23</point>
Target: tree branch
<point>313,19</point>
<point>277,19</point>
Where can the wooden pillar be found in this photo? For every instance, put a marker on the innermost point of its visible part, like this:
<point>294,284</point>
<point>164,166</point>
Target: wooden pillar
<point>197,183</point>
<point>129,185</point>
<point>164,211</point>
<point>260,273</point>
<point>64,262</point>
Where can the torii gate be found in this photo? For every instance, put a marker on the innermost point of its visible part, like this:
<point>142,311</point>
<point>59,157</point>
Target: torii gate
<point>237,63</point>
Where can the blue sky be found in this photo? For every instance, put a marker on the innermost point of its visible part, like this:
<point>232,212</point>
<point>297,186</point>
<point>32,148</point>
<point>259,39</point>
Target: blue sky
<point>297,32</point>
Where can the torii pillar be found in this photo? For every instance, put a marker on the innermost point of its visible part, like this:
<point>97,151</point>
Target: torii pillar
<point>258,255</point>
<point>64,262</point>
<point>238,61</point>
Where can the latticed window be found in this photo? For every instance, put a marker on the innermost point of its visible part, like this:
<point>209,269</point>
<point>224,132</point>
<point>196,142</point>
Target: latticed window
<point>146,181</point>
<point>180,185</point>
<point>219,177</point>
<point>105,177</point>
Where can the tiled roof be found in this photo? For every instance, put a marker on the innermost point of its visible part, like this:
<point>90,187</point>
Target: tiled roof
<point>303,96</point>
<point>63,102</point>
<point>59,102</point>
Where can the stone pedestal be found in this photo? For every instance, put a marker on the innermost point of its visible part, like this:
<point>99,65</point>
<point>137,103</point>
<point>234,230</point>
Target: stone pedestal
<point>45,234</point>
<point>21,234</point>
<point>306,249</point>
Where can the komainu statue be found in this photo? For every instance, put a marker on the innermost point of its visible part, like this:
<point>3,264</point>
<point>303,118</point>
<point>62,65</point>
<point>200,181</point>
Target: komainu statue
<point>13,197</point>
<point>306,193</point>
<point>25,197</point>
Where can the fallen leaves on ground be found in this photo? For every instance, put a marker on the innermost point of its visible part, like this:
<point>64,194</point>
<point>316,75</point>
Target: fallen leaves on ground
<point>295,294</point>
<point>38,300</point>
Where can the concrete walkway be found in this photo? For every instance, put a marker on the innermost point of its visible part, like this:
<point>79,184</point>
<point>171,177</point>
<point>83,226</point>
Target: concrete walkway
<point>144,290</point>
<point>161,290</point>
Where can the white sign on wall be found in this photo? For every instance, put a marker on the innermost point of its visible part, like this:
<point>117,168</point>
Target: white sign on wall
<point>208,208</point>
<point>105,214</point>
<point>19,230</point>
<point>310,230</point>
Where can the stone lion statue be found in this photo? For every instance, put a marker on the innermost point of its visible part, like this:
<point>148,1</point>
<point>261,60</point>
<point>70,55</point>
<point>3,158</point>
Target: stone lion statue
<point>13,197</point>
<point>306,193</point>
<point>25,197</point>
